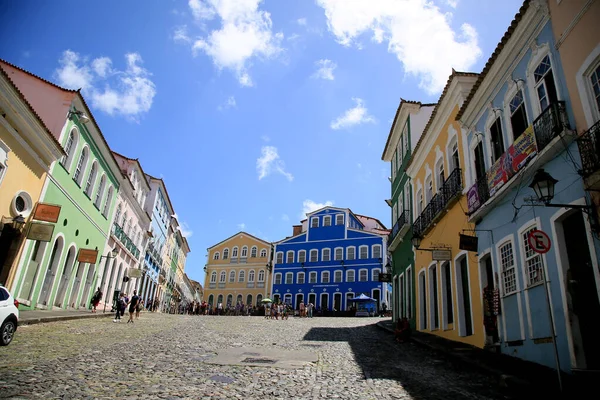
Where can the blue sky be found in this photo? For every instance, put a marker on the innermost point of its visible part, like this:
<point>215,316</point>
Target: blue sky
<point>254,112</point>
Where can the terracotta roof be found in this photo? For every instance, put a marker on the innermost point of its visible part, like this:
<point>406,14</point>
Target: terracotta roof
<point>375,219</point>
<point>437,106</point>
<point>38,77</point>
<point>137,160</point>
<point>494,56</point>
<point>22,96</point>
<point>402,102</point>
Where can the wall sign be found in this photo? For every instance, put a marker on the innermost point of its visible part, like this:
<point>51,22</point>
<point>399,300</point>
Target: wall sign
<point>87,256</point>
<point>467,242</point>
<point>441,255</point>
<point>385,277</point>
<point>41,232</point>
<point>46,212</point>
<point>539,241</point>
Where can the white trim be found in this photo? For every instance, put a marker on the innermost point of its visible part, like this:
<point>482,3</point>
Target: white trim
<point>311,222</point>
<point>277,275</point>
<point>359,252</point>
<point>422,300</point>
<point>327,218</point>
<point>462,327</point>
<point>408,273</point>
<point>584,87</point>
<point>301,252</point>
<point>336,219</point>
<point>359,273</point>
<point>315,274</point>
<point>254,250</point>
<point>373,274</point>
<point>354,275</point>
<point>216,255</point>
<point>235,252</point>
<point>335,258</point>
<point>310,257</point>
<point>537,55</point>
<point>287,257</point>
<point>277,254</point>
<point>509,238</point>
<point>244,247</point>
<point>451,135</point>
<point>323,251</point>
<point>323,276</point>
<point>380,251</point>
<point>289,274</point>
<point>241,276</point>
<point>354,249</point>
<point>442,284</point>
<point>303,277</point>
<point>342,276</point>
<point>430,296</point>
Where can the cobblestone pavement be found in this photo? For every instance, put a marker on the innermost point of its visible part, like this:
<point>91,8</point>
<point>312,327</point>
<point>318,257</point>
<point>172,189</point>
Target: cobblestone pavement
<point>164,356</point>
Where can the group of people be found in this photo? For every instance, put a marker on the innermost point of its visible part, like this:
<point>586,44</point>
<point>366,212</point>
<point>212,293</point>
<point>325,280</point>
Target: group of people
<point>134,303</point>
<point>306,310</point>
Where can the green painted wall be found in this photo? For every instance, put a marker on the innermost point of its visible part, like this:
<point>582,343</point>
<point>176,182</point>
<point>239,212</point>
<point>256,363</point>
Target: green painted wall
<point>80,224</point>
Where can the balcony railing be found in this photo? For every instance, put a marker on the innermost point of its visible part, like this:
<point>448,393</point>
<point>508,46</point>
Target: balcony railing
<point>589,149</point>
<point>449,190</point>
<point>402,220</point>
<point>549,125</point>
<point>125,240</point>
<point>212,285</point>
<point>250,285</point>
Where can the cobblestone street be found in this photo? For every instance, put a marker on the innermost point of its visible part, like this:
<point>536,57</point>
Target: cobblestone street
<point>168,356</point>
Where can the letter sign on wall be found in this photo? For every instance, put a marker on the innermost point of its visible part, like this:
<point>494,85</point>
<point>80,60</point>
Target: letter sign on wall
<point>539,241</point>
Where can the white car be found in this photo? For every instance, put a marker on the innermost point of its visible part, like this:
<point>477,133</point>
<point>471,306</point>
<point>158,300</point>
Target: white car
<point>9,316</point>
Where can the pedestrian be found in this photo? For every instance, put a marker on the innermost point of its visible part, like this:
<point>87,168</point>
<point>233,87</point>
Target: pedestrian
<point>96,299</point>
<point>120,306</point>
<point>138,308</point>
<point>133,303</point>
<point>310,310</point>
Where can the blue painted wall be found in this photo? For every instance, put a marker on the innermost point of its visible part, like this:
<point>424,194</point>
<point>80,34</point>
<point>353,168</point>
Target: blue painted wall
<point>328,237</point>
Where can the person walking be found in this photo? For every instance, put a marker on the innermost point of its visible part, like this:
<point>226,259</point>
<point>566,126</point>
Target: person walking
<point>96,299</point>
<point>120,306</point>
<point>133,303</point>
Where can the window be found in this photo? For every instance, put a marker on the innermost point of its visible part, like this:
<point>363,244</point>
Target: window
<point>314,255</point>
<point>375,274</point>
<point>69,148</point>
<point>300,278</point>
<point>533,261</point>
<point>350,275</point>
<point>290,257</point>
<point>279,259</point>
<point>327,220</point>
<point>544,84</point>
<point>312,277</point>
<point>350,253</point>
<point>263,253</point>
<point>213,277</point>
<point>419,201</point>
<point>428,190</point>
<point>325,277</point>
<point>251,276</point>
<point>595,81</point>
<point>118,213</point>
<point>377,251</point>
<point>234,252</point>
<point>509,277</point>
<point>364,252</point>
<point>454,157</point>
<point>289,278</point>
<point>339,253</point>
<point>440,175</point>
<point>222,277</point>
<point>81,164</point>
<point>108,201</point>
<point>339,218</point>
<point>261,275</point>
<point>100,192</point>
<point>302,256</point>
<point>337,276</point>
<point>216,255</point>
<point>242,276</point>
<point>91,179</point>
<point>326,255</point>
<point>231,276</point>
<point>278,278</point>
<point>253,252</point>
<point>128,228</point>
<point>400,153</point>
<point>363,275</point>
<point>314,222</point>
<point>496,139</point>
<point>245,251</point>
<point>518,115</point>
<point>225,254</point>
<point>479,161</point>
<point>394,166</point>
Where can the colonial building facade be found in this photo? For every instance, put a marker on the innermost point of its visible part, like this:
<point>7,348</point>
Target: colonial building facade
<point>238,271</point>
<point>333,256</point>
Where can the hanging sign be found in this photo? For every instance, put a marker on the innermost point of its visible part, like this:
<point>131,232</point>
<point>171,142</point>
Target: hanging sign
<point>441,255</point>
<point>41,232</point>
<point>539,241</point>
<point>467,242</point>
<point>87,256</point>
<point>385,277</point>
<point>46,212</point>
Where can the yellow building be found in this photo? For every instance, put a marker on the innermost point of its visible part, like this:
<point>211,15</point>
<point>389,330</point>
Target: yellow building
<point>237,271</point>
<point>27,149</point>
<point>448,295</point>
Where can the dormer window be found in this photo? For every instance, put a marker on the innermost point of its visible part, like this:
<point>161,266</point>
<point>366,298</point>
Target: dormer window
<point>327,220</point>
<point>314,222</point>
<point>339,219</point>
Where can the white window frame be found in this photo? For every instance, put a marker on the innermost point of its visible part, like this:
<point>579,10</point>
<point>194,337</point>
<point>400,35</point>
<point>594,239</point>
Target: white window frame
<point>353,249</point>
<point>323,274</point>
<point>216,255</point>
<point>242,276</point>
<point>341,254</point>
<point>506,269</point>
<point>232,276</point>
<point>337,219</point>
<point>244,253</point>
<point>91,180</point>
<point>350,272</point>
<point>300,278</point>
<point>327,220</point>
<point>584,86</point>
<point>235,252</point>
<point>312,222</point>
<point>253,252</point>
<point>376,246</point>
<point>373,277</point>
<point>537,55</point>
<point>312,277</point>
<point>213,277</point>
<point>263,253</point>
<point>428,194</point>
<point>261,276</point>
<point>71,149</point>
<point>287,257</point>
<point>251,276</point>
<point>279,257</point>
<point>360,273</point>
<point>277,279</point>
<point>326,254</point>
<point>4,150</point>
<point>100,192</point>
<point>439,180</point>
<point>301,256</point>
<point>289,278</point>
<point>360,251</point>
<point>223,277</point>
<point>316,259</point>
<point>225,254</point>
<point>81,165</point>
<point>335,275</point>
<point>526,257</point>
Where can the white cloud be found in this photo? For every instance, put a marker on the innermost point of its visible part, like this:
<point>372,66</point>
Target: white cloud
<point>285,217</point>
<point>293,37</point>
<point>309,206</point>
<point>265,138</point>
<point>180,34</point>
<point>452,3</point>
<point>229,103</point>
<point>241,226</point>
<point>245,34</point>
<point>270,162</point>
<point>301,21</point>
<point>416,31</point>
<point>325,69</point>
<point>185,230</point>
<point>128,92</point>
<point>354,116</point>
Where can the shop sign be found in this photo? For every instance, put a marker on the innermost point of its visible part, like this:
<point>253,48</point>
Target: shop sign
<point>46,212</point>
<point>512,161</point>
<point>134,273</point>
<point>441,255</point>
<point>385,277</point>
<point>87,256</point>
<point>473,202</point>
<point>467,242</point>
<point>41,232</point>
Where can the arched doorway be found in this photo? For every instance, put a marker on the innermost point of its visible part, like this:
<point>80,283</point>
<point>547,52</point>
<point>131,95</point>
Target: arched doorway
<point>220,299</point>
<point>108,294</point>
<point>65,278</point>
<point>76,285</point>
<point>211,300</point>
<point>55,256</point>
<point>229,300</point>
<point>259,299</point>
<point>249,300</point>
<point>324,304</point>
<point>299,299</point>
<point>287,298</point>
<point>239,299</point>
<point>376,294</point>
<point>32,271</point>
<point>337,301</point>
<point>88,285</point>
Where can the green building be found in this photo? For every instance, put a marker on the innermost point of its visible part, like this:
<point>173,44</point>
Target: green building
<point>407,127</point>
<point>60,270</point>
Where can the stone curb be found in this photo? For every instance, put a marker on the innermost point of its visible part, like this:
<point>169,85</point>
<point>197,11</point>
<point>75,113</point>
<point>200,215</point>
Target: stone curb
<point>43,320</point>
<point>505,380</point>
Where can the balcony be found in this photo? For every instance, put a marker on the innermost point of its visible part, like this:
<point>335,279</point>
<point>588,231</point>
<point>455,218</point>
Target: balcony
<point>212,285</point>
<point>119,233</point>
<point>260,284</point>
<point>589,150</point>
<point>250,285</point>
<point>526,150</point>
<point>221,285</point>
<point>398,230</point>
<point>449,191</point>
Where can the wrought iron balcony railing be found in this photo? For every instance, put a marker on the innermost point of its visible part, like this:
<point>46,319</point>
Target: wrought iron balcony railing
<point>449,190</point>
<point>589,150</point>
<point>125,240</point>
<point>550,124</point>
<point>402,220</point>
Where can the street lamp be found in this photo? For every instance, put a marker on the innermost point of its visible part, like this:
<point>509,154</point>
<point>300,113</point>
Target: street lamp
<point>18,222</point>
<point>84,119</point>
<point>543,185</point>
<point>416,240</point>
<point>343,264</point>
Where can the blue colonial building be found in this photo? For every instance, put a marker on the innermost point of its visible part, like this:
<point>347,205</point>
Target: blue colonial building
<point>518,120</point>
<point>333,256</point>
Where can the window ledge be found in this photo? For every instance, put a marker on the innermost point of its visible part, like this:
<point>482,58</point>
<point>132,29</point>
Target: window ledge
<point>531,286</point>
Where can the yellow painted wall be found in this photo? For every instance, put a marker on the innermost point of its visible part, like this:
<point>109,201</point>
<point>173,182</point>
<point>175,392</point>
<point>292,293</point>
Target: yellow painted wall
<point>23,174</point>
<point>446,232</point>
<point>236,288</point>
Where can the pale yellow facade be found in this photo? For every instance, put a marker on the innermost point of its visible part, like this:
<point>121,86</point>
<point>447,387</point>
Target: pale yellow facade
<point>237,271</point>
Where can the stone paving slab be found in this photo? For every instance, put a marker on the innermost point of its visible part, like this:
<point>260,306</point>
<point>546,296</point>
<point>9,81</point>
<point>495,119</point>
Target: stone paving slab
<point>264,357</point>
<point>32,317</point>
